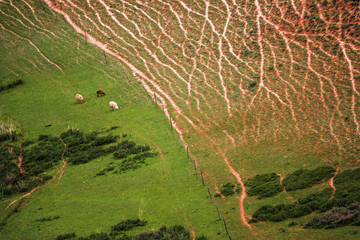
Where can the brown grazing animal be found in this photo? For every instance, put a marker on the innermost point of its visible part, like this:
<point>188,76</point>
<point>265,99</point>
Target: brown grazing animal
<point>100,92</point>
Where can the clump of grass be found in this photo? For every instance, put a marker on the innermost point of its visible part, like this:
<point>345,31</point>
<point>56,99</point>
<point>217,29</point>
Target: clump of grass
<point>8,132</point>
<point>304,178</point>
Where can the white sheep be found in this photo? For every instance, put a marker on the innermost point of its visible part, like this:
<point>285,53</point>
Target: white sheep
<point>79,98</point>
<point>113,105</point>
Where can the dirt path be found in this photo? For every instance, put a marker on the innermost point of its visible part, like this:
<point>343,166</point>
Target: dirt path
<point>243,188</point>
<point>25,195</point>
<point>332,185</point>
<point>193,233</point>
<point>281,179</point>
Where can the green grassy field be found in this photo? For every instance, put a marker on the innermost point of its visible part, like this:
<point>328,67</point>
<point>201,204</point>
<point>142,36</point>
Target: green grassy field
<point>252,88</point>
<point>166,192</point>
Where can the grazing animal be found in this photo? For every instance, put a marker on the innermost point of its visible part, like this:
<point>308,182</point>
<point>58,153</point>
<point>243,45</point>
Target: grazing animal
<point>100,92</point>
<point>79,98</point>
<point>113,105</point>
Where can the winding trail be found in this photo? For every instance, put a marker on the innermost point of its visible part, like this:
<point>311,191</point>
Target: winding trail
<point>25,195</point>
<point>332,185</point>
<point>64,162</point>
<point>243,188</point>
<point>281,179</point>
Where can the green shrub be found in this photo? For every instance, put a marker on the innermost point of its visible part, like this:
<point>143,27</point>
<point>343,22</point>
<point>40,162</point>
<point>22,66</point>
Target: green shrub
<point>217,195</point>
<point>96,236</point>
<point>66,236</point>
<point>11,85</point>
<point>302,178</point>
<point>47,219</point>
<point>100,141</point>
<point>227,189</point>
<point>262,179</point>
<point>337,217</point>
<point>127,224</point>
<point>265,190</point>
<point>347,192</point>
<point>280,212</point>
<point>317,201</point>
<point>202,237</point>
<point>26,143</point>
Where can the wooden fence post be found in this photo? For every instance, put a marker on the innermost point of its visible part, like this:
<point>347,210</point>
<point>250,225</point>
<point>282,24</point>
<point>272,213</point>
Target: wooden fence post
<point>202,178</point>
<point>217,209</point>
<point>225,226</point>
<point>164,112</point>
<point>195,166</point>
<point>209,194</point>
<point>127,76</point>
<point>105,57</point>
<point>179,139</point>
<point>187,152</point>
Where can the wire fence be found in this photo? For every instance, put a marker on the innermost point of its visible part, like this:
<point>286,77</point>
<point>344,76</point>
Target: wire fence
<point>195,167</point>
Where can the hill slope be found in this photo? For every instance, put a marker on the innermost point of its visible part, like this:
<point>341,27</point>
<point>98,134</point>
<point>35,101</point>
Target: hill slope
<point>252,87</point>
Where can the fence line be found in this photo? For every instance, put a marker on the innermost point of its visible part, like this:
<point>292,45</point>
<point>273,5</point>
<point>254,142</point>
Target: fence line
<point>201,173</point>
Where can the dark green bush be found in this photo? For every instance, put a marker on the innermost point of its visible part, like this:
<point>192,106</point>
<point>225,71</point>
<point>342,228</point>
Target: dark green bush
<point>317,201</point>
<point>66,236</point>
<point>302,178</point>
<point>11,85</point>
<point>280,212</point>
<point>47,219</point>
<point>265,190</point>
<point>176,232</point>
<point>202,237</point>
<point>337,217</point>
<point>96,236</point>
<point>217,195</point>
<point>100,141</point>
<point>26,143</point>
<point>4,137</point>
<point>227,189</point>
<point>347,192</point>
<point>259,180</point>
<point>127,224</point>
